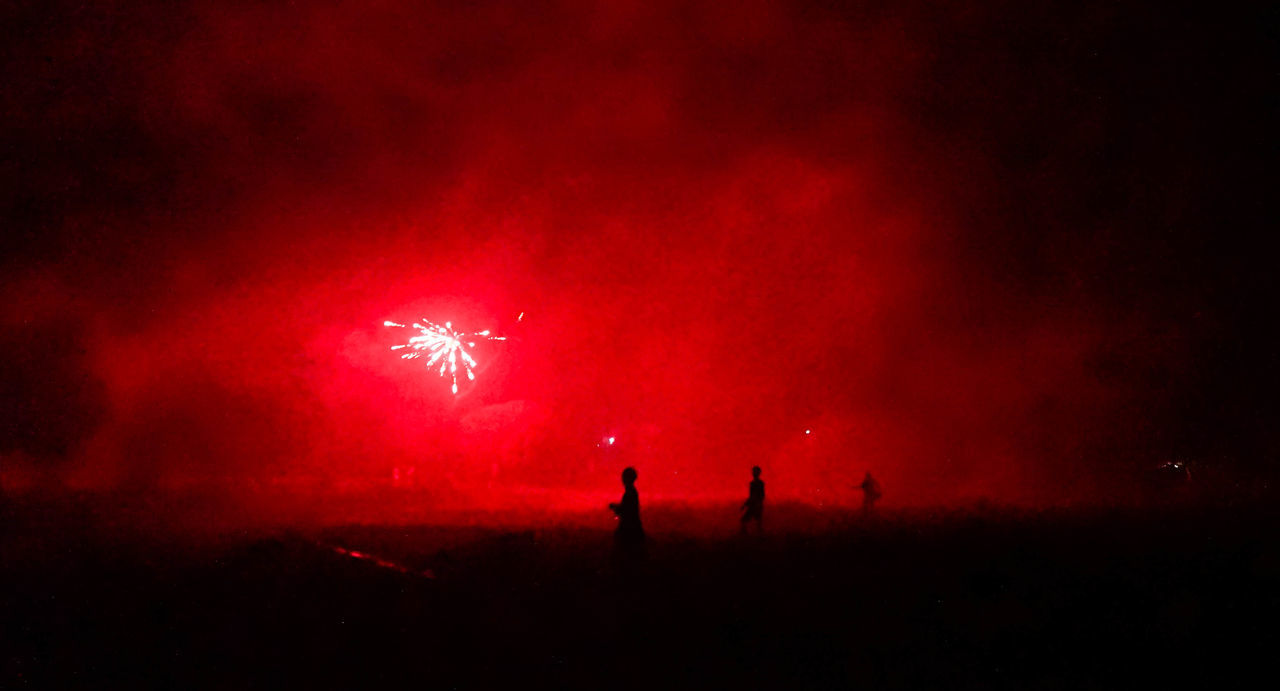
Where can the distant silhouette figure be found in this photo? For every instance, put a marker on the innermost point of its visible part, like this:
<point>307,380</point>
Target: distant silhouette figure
<point>753,507</point>
<point>629,532</point>
<point>870,493</point>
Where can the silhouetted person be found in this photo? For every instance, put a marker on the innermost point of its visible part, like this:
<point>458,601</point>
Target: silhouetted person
<point>870,493</point>
<point>629,532</point>
<point>753,507</point>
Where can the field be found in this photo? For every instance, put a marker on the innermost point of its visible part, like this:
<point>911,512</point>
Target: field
<point>950,599</point>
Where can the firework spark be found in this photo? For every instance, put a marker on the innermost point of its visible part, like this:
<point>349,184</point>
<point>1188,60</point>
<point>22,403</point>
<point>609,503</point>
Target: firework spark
<point>443,346</point>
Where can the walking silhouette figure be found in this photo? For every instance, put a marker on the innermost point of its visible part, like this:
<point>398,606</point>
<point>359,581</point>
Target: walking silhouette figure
<point>870,493</point>
<point>629,533</point>
<point>753,507</point>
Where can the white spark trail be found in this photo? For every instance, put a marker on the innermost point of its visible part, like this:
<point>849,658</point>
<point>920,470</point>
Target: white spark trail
<point>444,347</point>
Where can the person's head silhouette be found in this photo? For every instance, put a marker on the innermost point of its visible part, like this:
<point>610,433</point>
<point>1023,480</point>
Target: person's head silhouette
<point>755,471</point>
<point>629,476</point>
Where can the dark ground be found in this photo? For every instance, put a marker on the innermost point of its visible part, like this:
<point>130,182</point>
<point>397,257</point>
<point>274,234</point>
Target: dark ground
<point>1105,598</point>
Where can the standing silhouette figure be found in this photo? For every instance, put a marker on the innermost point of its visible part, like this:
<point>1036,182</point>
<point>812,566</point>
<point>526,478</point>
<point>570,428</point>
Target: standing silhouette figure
<point>629,532</point>
<point>753,507</point>
<point>870,493</point>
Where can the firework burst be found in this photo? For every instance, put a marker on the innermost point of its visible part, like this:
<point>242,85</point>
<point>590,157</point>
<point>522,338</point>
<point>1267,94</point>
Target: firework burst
<point>444,348</point>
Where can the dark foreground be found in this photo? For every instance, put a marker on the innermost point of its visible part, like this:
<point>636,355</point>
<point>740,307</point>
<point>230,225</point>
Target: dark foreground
<point>1063,600</point>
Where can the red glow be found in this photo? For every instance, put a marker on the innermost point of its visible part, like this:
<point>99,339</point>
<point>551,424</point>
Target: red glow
<point>383,563</point>
<point>777,239</point>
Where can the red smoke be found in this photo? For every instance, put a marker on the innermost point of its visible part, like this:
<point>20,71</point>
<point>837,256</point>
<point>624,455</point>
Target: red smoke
<point>724,226</point>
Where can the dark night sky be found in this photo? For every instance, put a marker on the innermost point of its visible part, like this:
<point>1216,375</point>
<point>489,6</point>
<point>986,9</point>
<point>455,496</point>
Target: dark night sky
<point>1011,250</point>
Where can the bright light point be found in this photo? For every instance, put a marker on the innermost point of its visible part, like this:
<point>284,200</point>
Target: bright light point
<point>806,431</point>
<point>521,317</point>
<point>611,440</point>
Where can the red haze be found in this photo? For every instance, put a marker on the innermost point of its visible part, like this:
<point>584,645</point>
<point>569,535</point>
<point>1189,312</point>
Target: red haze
<point>723,227</point>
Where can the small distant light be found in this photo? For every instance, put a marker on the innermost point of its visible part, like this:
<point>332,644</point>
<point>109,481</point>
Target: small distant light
<point>611,440</point>
<point>806,431</point>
